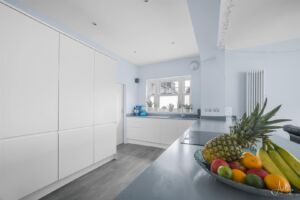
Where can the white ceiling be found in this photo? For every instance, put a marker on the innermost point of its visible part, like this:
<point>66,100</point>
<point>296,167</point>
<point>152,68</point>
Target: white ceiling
<point>140,32</point>
<point>249,23</point>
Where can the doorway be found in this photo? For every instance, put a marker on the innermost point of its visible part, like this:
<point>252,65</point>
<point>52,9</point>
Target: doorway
<point>120,113</point>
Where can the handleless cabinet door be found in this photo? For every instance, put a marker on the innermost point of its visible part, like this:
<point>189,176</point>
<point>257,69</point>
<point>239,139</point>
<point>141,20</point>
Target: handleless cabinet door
<point>28,75</point>
<point>75,84</point>
<point>27,164</point>
<point>105,141</point>
<point>75,150</point>
<point>171,130</point>
<point>105,90</point>
<point>144,129</point>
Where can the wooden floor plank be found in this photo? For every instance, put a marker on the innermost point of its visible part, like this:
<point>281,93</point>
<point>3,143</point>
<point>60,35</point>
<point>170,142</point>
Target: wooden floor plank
<point>107,181</point>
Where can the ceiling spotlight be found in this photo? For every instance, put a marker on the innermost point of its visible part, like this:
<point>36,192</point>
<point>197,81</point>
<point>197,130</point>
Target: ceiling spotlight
<point>94,23</point>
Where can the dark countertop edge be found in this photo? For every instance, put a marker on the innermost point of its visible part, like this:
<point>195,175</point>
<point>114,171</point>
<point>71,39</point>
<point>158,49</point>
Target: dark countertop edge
<point>187,116</point>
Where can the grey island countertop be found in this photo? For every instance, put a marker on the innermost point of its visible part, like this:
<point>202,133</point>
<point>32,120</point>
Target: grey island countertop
<point>175,175</point>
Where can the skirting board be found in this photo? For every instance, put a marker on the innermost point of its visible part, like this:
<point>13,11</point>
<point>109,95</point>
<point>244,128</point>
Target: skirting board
<point>54,186</point>
<point>144,143</point>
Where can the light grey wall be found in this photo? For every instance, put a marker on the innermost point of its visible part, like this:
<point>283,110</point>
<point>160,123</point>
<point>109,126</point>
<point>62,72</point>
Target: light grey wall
<point>213,85</point>
<point>126,73</point>
<point>281,63</point>
<point>179,67</point>
<point>205,19</point>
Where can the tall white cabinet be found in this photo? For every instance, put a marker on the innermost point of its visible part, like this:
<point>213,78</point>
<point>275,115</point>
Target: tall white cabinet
<point>105,90</point>
<point>27,164</point>
<point>28,75</point>
<point>28,105</point>
<point>75,84</point>
<point>57,107</point>
<point>105,107</point>
<point>75,150</point>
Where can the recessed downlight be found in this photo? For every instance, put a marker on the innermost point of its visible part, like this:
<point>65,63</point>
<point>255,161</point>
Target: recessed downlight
<point>134,51</point>
<point>94,23</point>
<point>173,42</point>
<point>146,1</point>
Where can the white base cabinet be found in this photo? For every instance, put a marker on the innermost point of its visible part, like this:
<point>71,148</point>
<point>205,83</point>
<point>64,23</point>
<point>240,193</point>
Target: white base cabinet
<point>75,150</point>
<point>170,130</point>
<point>158,131</point>
<point>105,141</point>
<point>144,129</point>
<point>27,164</point>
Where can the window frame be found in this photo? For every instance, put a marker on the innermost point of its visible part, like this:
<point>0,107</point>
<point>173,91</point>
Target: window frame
<point>181,92</point>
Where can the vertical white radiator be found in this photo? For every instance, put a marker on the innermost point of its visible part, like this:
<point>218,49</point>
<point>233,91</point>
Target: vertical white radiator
<point>255,92</point>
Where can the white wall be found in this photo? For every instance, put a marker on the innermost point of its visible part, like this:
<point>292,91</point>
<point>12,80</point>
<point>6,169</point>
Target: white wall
<point>205,19</point>
<point>126,71</point>
<point>281,63</point>
<point>179,67</point>
<point>213,85</point>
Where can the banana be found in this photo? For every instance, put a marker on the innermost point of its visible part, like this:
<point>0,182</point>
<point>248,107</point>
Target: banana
<point>268,164</point>
<point>289,158</point>
<point>293,178</point>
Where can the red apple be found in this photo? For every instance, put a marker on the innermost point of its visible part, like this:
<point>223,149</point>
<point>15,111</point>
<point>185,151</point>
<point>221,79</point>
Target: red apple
<point>215,164</point>
<point>259,172</point>
<point>237,165</point>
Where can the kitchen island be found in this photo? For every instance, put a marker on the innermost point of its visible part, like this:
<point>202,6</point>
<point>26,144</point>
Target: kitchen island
<point>175,175</point>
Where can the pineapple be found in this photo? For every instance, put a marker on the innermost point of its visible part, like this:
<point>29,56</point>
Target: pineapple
<point>245,134</point>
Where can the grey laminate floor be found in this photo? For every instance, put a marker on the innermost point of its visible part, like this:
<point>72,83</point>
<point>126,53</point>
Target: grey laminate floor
<point>107,181</point>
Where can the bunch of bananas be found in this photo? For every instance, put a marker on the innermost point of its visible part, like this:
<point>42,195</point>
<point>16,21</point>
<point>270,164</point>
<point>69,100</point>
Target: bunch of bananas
<point>278,161</point>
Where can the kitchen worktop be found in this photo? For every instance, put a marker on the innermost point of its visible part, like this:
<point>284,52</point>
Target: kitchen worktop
<point>177,116</point>
<point>175,175</point>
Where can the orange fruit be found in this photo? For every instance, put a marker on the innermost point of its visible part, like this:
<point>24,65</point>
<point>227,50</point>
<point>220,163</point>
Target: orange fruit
<point>250,161</point>
<point>238,176</point>
<point>277,183</point>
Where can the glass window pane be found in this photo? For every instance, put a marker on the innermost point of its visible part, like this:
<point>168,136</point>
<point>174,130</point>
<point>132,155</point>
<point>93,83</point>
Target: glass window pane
<point>150,102</point>
<point>187,100</point>
<point>165,101</point>
<point>152,89</point>
<point>187,86</point>
<point>169,87</point>
<point>152,99</point>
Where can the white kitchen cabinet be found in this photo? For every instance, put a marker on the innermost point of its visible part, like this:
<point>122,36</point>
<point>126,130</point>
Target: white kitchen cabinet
<point>173,129</point>
<point>105,141</point>
<point>76,86</point>
<point>28,75</point>
<point>105,90</point>
<point>75,150</point>
<point>27,164</point>
<point>159,131</point>
<point>148,130</point>
<point>106,69</point>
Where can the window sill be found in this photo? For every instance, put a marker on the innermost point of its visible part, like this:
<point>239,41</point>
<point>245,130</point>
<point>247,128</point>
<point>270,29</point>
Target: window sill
<point>167,112</point>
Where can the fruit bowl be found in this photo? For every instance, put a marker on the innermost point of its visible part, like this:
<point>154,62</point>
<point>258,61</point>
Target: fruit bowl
<point>246,188</point>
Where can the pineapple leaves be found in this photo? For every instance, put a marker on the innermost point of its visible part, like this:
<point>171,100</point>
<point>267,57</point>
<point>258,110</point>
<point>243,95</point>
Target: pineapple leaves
<point>251,128</point>
<point>277,121</point>
<point>263,108</point>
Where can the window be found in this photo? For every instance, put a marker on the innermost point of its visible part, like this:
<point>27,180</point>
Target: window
<point>169,94</point>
